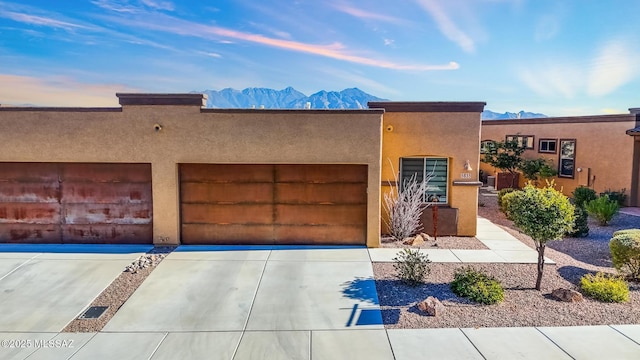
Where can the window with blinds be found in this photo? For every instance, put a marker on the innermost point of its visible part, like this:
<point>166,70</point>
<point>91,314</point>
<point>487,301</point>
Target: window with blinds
<point>435,168</point>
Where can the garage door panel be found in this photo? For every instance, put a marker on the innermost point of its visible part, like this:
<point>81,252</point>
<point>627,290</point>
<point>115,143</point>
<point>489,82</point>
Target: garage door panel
<point>102,172</point>
<point>331,193</point>
<point>30,233</point>
<point>227,193</point>
<point>321,173</point>
<point>218,234</point>
<point>227,214</point>
<point>318,235</point>
<point>106,193</point>
<point>29,172</point>
<point>30,192</point>
<point>106,233</point>
<point>29,213</point>
<point>221,173</point>
<point>107,214</point>
<point>321,215</point>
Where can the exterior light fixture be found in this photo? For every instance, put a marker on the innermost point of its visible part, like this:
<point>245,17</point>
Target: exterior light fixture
<point>467,166</point>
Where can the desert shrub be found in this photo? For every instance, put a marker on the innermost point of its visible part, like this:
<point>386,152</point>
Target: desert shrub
<point>536,169</point>
<point>606,288</point>
<point>477,286</point>
<point>411,266</point>
<point>501,194</point>
<point>404,206</point>
<point>602,209</point>
<point>618,196</point>
<point>625,252</point>
<point>582,195</point>
<point>581,223</point>
<point>544,214</point>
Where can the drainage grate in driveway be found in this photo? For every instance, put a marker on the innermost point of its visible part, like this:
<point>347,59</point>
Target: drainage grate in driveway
<point>93,312</point>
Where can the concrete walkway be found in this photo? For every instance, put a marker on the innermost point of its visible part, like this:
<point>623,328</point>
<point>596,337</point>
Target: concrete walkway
<point>503,248</point>
<point>239,303</point>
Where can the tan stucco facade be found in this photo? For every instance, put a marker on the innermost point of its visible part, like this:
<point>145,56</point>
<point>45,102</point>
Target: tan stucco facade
<point>190,134</point>
<point>604,153</point>
<point>166,130</point>
<point>446,130</point>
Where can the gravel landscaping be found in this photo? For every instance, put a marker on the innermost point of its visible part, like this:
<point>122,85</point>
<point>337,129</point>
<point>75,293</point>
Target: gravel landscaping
<point>523,305</point>
<point>120,290</point>
<point>442,242</point>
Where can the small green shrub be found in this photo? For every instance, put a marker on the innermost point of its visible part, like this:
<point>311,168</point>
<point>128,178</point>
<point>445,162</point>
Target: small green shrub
<point>501,194</point>
<point>618,196</point>
<point>581,223</point>
<point>411,266</point>
<point>625,252</point>
<point>602,209</point>
<point>582,195</point>
<point>470,283</point>
<point>606,288</point>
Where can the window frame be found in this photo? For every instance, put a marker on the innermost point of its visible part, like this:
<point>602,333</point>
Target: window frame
<point>521,140</point>
<point>566,158</point>
<point>555,142</point>
<point>424,174</point>
<point>483,148</point>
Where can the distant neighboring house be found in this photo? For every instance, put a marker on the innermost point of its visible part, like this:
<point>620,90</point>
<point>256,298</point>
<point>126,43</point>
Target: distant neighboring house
<point>163,169</point>
<point>601,151</point>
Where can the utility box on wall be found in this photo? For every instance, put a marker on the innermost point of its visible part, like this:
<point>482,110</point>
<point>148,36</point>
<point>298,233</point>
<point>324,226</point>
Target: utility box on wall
<point>447,221</point>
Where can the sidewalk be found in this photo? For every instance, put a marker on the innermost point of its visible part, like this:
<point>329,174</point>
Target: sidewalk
<point>503,248</point>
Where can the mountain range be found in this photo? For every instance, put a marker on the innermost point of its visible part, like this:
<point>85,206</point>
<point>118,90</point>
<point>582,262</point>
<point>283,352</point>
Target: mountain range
<point>290,98</point>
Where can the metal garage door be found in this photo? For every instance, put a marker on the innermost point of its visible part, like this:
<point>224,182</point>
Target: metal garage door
<point>75,203</point>
<point>273,204</point>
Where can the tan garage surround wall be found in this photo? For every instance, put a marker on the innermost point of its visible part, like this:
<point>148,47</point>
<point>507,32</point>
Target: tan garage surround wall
<point>602,147</point>
<point>190,134</point>
<point>450,130</point>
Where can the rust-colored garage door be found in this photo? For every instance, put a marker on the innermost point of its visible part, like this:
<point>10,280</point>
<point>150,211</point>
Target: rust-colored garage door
<point>75,203</point>
<point>273,204</point>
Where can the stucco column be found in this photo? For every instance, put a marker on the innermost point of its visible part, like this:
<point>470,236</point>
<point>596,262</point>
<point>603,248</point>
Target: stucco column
<point>166,202</point>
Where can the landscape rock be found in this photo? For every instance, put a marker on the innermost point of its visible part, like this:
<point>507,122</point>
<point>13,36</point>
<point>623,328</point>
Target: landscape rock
<point>414,241</point>
<point>426,236</point>
<point>566,295</point>
<point>431,306</point>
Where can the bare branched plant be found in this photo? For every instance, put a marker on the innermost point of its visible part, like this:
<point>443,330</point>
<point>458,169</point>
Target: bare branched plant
<point>404,206</point>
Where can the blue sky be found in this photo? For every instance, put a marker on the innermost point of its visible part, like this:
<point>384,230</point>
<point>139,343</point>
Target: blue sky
<point>556,57</point>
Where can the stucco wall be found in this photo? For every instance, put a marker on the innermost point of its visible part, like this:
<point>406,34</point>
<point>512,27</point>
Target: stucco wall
<point>453,135</point>
<point>192,135</point>
<point>602,147</point>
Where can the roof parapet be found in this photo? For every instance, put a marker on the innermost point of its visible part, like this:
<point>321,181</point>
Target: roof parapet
<point>199,100</point>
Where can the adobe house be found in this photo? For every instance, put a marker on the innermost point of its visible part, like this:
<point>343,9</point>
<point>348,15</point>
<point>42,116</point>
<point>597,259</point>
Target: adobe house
<point>162,169</point>
<point>601,152</point>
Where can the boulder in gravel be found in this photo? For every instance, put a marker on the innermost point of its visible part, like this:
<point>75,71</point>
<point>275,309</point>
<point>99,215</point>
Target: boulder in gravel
<point>431,306</point>
<point>414,241</point>
<point>566,295</point>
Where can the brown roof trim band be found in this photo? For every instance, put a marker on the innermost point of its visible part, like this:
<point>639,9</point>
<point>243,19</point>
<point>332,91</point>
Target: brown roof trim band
<point>162,99</point>
<point>426,106</point>
<point>289,111</point>
<point>61,109</point>
<point>563,120</point>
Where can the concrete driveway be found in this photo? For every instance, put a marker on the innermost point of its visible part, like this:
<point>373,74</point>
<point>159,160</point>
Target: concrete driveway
<point>44,287</point>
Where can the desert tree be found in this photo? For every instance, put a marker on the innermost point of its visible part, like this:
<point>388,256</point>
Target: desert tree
<point>505,156</point>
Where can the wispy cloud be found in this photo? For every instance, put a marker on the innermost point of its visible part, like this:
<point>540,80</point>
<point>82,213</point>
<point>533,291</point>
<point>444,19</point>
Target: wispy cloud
<point>367,15</point>
<point>159,5</point>
<point>40,20</point>
<point>546,28</point>
<point>56,91</point>
<point>614,66</point>
<point>335,50</point>
<point>611,68</point>
<point>447,26</point>
<point>116,5</point>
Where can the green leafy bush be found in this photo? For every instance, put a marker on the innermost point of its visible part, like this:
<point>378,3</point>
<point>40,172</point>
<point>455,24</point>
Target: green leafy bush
<point>603,287</point>
<point>602,209</point>
<point>582,195</point>
<point>618,196</point>
<point>411,266</point>
<point>625,252</point>
<point>479,287</point>
<point>544,214</point>
<point>581,224</point>
<point>536,169</point>
<point>501,194</point>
